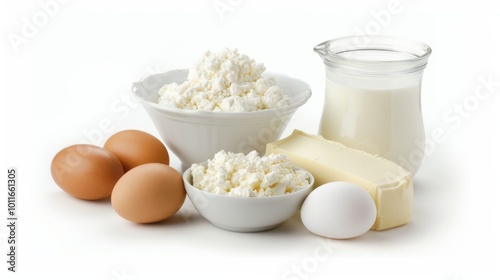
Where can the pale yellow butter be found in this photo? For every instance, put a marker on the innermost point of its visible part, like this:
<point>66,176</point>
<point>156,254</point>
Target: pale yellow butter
<point>390,186</point>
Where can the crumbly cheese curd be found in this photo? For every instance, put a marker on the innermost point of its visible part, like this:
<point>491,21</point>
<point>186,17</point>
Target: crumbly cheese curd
<point>237,174</point>
<point>225,81</point>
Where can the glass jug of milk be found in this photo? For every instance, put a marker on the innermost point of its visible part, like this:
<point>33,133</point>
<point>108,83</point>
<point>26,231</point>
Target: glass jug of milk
<point>372,96</point>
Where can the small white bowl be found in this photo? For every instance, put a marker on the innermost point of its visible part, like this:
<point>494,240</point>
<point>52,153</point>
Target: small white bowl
<point>246,214</point>
<point>195,136</point>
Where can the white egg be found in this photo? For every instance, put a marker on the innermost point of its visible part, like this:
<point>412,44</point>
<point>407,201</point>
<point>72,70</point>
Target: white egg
<point>338,210</point>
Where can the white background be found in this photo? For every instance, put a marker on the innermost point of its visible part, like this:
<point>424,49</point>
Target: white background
<point>74,69</point>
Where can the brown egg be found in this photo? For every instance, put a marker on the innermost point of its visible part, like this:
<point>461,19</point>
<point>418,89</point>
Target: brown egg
<point>148,193</point>
<point>86,171</point>
<point>135,147</point>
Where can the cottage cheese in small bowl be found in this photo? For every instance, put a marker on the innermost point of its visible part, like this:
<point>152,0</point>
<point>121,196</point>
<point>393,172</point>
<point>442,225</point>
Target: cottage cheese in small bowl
<point>247,193</point>
<point>237,174</point>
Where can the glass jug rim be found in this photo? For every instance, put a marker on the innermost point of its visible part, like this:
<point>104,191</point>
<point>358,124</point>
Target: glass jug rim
<point>377,54</point>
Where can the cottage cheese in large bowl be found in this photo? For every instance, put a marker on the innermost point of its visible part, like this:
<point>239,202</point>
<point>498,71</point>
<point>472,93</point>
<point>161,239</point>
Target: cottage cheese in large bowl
<point>226,101</point>
<point>225,81</point>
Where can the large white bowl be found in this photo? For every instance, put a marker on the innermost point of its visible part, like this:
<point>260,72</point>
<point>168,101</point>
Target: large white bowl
<point>195,136</point>
<point>245,214</point>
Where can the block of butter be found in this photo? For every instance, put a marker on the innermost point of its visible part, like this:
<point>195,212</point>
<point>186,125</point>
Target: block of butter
<point>390,186</point>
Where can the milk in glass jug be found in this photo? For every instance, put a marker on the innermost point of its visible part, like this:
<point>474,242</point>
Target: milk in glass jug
<point>372,96</point>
